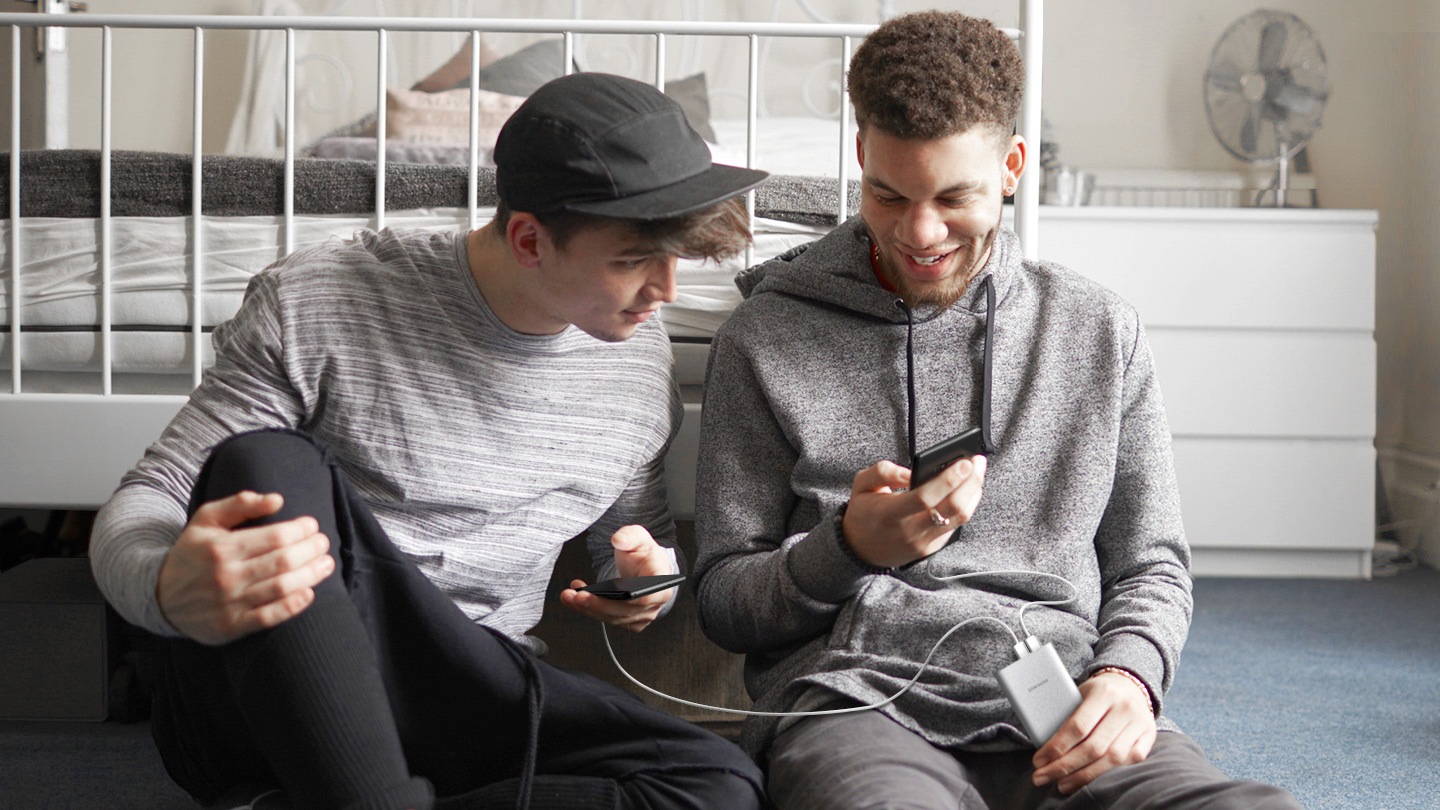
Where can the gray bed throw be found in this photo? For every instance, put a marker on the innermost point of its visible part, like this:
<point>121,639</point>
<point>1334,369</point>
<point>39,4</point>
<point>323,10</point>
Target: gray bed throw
<point>66,183</point>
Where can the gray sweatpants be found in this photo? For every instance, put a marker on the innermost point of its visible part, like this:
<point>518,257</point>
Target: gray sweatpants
<point>866,760</point>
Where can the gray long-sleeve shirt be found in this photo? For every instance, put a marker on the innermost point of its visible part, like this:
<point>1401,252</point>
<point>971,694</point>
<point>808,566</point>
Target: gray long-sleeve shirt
<point>807,386</point>
<point>480,449</point>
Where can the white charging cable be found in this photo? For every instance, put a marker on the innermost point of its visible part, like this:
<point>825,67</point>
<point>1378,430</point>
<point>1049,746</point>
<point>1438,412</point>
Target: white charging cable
<point>1074,594</point>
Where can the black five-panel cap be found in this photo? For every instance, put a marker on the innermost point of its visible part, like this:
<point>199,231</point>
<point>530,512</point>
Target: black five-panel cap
<point>601,144</point>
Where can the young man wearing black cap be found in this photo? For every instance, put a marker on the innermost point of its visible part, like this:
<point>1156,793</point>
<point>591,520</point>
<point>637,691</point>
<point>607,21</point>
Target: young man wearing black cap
<point>345,534</point>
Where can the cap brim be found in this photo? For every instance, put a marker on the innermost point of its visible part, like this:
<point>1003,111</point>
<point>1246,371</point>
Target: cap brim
<point>716,184</point>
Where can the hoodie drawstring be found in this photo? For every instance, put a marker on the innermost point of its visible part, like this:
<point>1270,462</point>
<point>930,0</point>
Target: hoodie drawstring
<point>986,445</point>
<point>909,375</point>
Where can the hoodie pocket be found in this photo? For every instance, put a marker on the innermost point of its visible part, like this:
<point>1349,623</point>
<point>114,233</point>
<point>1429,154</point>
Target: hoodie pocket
<point>890,619</point>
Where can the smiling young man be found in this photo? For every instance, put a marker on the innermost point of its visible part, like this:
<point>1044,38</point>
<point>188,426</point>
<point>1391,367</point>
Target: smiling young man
<point>835,575</point>
<point>344,536</point>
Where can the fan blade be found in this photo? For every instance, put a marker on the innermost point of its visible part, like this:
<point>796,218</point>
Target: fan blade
<point>1272,45</point>
<point>1297,99</point>
<point>1225,78</point>
<point>1250,131</point>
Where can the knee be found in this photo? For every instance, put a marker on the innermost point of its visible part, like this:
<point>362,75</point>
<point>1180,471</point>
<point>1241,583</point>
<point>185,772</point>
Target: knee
<point>283,461</point>
<point>257,451</point>
<point>720,775</point>
<point>697,789</point>
<point>731,790</point>
<point>1262,796</point>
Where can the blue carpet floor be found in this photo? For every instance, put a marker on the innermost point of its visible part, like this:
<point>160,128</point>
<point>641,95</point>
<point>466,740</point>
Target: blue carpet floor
<point>1330,689</point>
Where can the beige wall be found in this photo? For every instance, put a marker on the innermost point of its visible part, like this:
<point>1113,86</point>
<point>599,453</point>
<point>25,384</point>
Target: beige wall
<point>151,87</point>
<point>1409,304</point>
<point>1122,89</point>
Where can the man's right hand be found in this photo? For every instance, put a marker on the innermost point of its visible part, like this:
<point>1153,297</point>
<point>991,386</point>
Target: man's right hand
<point>886,528</point>
<point>219,583</point>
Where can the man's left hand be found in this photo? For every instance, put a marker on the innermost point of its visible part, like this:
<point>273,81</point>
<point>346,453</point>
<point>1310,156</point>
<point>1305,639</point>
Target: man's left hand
<point>1112,726</point>
<point>636,555</point>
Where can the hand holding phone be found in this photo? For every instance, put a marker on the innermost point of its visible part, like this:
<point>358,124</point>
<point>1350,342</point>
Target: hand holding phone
<point>930,461</point>
<point>633,587</point>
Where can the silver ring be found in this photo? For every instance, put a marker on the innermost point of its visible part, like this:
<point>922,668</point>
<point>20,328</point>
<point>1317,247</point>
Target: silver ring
<point>938,519</point>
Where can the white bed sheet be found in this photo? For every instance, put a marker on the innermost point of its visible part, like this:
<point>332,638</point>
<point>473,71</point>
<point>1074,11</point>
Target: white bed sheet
<point>151,286</point>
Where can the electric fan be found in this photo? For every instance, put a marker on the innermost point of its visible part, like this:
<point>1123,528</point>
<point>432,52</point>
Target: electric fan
<point>1265,88</point>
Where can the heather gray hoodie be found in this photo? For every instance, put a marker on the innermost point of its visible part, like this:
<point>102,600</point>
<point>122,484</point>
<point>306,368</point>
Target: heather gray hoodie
<point>807,385</point>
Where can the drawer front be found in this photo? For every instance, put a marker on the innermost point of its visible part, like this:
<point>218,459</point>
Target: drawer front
<point>1277,494</point>
<point>1232,274</point>
<point>1274,384</point>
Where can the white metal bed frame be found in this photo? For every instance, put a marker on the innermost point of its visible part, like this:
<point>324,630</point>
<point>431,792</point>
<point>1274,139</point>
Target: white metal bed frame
<point>69,450</point>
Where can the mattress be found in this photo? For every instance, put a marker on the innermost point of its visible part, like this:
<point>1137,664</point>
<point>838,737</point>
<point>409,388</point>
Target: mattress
<point>152,283</point>
<point>153,272</point>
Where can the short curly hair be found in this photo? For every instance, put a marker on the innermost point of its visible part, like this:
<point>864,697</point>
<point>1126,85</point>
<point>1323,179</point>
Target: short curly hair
<point>932,74</point>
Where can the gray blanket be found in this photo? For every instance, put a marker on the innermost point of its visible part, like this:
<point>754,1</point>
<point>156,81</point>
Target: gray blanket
<point>66,183</point>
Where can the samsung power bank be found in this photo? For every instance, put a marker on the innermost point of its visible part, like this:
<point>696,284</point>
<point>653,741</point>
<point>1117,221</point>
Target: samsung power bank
<point>1041,692</point>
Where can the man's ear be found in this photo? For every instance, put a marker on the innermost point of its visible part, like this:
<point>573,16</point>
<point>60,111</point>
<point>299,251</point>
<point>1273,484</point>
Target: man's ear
<point>524,235</point>
<point>1014,161</point>
<point>860,150</point>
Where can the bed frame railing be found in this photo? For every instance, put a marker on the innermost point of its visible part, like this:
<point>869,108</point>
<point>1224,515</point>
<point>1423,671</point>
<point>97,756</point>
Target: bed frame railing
<point>1026,207</point>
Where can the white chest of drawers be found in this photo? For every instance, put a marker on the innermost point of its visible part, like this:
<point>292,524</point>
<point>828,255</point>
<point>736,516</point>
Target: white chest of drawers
<point>1262,324</point>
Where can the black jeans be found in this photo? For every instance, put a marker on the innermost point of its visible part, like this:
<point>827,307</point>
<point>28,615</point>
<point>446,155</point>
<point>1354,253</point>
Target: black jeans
<point>471,708</point>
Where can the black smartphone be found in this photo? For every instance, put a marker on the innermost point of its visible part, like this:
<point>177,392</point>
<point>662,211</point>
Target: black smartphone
<point>930,461</point>
<point>631,587</point>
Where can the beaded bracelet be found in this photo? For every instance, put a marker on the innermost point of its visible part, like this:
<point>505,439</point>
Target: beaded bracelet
<point>845,545</point>
<point>1145,690</point>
